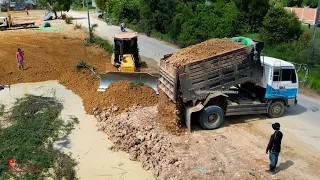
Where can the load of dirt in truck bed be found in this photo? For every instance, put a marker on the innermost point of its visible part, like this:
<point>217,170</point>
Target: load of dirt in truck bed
<point>169,114</point>
<point>202,51</point>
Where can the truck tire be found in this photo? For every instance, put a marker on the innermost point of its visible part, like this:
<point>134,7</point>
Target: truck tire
<point>276,109</point>
<point>211,117</point>
<point>2,28</point>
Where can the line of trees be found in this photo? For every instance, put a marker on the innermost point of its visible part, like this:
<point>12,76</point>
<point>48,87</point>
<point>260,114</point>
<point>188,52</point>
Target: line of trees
<point>188,22</point>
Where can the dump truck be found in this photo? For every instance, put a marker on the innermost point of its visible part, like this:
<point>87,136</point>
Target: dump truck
<point>7,22</point>
<point>238,82</point>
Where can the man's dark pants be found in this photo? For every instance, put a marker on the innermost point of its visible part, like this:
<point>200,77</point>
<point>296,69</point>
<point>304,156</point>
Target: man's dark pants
<point>273,156</point>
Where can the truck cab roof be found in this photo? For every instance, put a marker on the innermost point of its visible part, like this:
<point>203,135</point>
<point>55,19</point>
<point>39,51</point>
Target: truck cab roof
<point>274,62</point>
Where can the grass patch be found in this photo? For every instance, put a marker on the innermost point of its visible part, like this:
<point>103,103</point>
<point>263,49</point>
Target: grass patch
<point>1,109</point>
<point>82,64</point>
<point>136,83</point>
<point>103,44</point>
<point>29,140</point>
<point>68,20</point>
<point>78,26</point>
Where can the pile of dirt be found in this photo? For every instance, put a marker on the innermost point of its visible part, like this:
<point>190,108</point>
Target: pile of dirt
<point>125,94</point>
<point>202,51</point>
<point>137,133</point>
<point>169,114</point>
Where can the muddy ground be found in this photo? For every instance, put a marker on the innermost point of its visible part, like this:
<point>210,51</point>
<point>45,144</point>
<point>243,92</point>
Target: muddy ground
<point>235,151</point>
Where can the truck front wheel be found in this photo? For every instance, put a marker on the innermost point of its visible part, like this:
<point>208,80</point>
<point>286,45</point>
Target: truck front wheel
<point>211,117</point>
<point>276,109</point>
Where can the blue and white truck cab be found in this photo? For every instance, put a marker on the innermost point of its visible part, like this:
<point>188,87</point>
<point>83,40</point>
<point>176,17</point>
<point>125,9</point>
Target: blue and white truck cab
<point>280,80</point>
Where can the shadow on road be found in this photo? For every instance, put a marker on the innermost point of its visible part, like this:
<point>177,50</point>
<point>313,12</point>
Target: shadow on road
<point>294,110</point>
<point>230,120</point>
<point>285,165</point>
<point>79,18</point>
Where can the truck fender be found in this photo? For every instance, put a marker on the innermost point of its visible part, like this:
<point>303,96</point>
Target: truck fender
<point>213,95</point>
<point>188,111</point>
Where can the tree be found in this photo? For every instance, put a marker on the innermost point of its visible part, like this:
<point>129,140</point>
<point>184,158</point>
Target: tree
<point>253,12</point>
<point>101,4</point>
<point>280,25</point>
<point>311,3</point>
<point>220,19</point>
<point>157,14</point>
<point>125,11</point>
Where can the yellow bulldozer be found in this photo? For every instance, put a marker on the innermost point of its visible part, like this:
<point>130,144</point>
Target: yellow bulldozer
<point>126,58</point>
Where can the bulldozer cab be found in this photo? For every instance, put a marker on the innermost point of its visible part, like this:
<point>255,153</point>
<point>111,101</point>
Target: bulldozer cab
<point>126,43</point>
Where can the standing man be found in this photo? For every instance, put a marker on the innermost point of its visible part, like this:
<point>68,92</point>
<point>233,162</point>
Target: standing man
<point>274,147</point>
<point>19,57</point>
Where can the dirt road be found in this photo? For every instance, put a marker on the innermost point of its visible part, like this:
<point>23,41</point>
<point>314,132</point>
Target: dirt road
<point>149,47</point>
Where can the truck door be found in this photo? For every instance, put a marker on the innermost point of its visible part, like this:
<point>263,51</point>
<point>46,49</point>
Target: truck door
<point>288,84</point>
<point>275,81</point>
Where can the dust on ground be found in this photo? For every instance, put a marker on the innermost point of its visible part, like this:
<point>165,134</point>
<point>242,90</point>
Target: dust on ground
<point>230,152</point>
<point>202,50</point>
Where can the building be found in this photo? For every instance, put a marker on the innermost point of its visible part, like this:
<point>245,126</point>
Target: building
<point>306,15</point>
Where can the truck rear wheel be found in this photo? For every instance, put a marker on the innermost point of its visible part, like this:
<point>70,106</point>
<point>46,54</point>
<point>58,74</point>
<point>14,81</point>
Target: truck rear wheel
<point>211,117</point>
<point>276,109</point>
<point>2,28</point>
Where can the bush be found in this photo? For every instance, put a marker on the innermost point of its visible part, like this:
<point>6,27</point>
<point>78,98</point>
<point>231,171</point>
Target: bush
<point>68,20</point>
<point>103,43</point>
<point>280,26</point>
<point>78,26</point>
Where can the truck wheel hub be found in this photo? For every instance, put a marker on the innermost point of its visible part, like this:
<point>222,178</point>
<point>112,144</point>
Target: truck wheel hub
<point>213,118</point>
<point>277,109</point>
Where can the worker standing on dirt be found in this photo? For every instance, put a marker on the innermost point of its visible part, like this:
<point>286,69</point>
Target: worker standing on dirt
<point>19,57</point>
<point>274,147</point>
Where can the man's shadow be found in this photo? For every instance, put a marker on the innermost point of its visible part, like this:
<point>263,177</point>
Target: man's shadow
<point>284,165</point>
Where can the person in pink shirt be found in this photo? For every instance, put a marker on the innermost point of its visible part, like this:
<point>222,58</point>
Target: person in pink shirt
<point>19,57</point>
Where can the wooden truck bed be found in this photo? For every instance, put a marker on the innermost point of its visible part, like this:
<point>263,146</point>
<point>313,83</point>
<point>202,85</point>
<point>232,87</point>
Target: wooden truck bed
<point>216,73</point>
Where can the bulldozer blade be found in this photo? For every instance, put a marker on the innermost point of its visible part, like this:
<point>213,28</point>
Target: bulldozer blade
<point>145,78</point>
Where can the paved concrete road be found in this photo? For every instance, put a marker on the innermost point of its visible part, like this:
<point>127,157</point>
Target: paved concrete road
<point>302,120</point>
<point>149,47</point>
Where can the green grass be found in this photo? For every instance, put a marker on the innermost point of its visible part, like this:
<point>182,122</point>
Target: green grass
<point>310,31</point>
<point>1,109</point>
<point>78,26</point>
<point>136,83</point>
<point>35,125</point>
<point>103,43</point>
<point>68,20</point>
<point>313,78</point>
